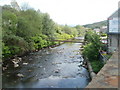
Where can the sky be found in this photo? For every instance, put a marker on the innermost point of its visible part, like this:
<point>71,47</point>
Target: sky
<point>73,12</point>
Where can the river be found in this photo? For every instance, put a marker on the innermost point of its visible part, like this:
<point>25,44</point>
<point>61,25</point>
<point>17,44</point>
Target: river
<point>56,67</point>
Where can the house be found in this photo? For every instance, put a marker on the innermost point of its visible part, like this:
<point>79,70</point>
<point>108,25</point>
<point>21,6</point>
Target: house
<point>113,32</point>
<point>103,29</point>
<point>97,30</point>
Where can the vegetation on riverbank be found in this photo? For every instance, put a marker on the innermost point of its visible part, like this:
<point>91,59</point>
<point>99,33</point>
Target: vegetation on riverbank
<point>28,30</point>
<point>91,50</point>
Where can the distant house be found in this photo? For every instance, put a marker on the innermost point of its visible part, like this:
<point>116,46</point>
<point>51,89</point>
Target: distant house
<point>103,29</point>
<point>97,30</point>
<point>113,32</point>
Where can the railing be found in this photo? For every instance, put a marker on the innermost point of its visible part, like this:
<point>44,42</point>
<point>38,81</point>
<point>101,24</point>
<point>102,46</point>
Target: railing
<point>102,57</point>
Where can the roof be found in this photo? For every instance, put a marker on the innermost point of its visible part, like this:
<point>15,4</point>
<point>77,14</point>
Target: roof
<point>115,14</point>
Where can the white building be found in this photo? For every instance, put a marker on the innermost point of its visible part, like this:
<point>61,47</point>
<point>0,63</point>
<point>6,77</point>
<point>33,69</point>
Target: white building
<point>97,30</point>
<point>103,29</point>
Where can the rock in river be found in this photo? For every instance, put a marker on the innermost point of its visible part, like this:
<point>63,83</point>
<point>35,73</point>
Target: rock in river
<point>25,63</point>
<point>57,71</point>
<point>20,75</point>
<point>16,65</point>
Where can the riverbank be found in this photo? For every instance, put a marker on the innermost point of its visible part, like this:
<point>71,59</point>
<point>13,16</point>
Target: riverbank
<point>16,60</point>
<point>87,64</point>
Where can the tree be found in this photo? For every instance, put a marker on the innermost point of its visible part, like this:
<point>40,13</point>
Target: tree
<point>91,49</point>
<point>81,30</point>
<point>48,26</point>
<point>9,21</point>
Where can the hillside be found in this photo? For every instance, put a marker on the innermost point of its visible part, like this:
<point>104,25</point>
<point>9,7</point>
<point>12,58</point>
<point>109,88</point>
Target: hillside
<point>96,25</point>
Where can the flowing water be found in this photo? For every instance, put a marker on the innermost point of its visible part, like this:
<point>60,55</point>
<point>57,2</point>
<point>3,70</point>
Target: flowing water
<point>56,67</point>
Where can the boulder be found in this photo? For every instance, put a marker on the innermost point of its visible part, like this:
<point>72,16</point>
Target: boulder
<point>56,71</point>
<point>20,75</point>
<point>25,63</point>
<point>16,65</point>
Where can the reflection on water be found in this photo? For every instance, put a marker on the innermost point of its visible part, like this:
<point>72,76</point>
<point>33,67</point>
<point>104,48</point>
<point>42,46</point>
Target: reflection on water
<point>54,68</point>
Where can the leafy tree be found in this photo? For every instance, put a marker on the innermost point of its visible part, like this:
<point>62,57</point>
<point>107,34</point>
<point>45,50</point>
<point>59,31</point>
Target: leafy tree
<point>81,30</point>
<point>91,49</point>
<point>9,21</point>
<point>48,26</point>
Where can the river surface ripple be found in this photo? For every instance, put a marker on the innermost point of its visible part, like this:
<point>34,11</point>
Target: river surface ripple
<point>56,67</point>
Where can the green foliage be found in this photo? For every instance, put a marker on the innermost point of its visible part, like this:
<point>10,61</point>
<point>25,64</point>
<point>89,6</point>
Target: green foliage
<point>103,35</point>
<point>8,51</point>
<point>15,40</point>
<point>9,21</point>
<point>40,41</point>
<point>96,65</point>
<point>91,50</point>
<point>48,26</point>
<point>81,30</point>
<point>5,51</point>
<point>14,50</point>
<point>92,37</point>
<point>63,36</point>
<point>28,30</point>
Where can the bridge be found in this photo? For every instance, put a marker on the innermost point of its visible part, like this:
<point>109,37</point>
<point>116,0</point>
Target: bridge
<point>74,41</point>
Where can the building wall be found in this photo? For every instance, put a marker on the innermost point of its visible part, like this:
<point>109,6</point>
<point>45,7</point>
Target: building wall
<point>113,42</point>
<point>119,43</point>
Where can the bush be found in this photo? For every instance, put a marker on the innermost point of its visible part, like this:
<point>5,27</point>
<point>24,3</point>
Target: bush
<point>5,51</point>
<point>63,36</point>
<point>90,52</point>
<point>41,41</point>
<point>9,51</point>
<point>15,50</point>
<point>96,65</point>
<point>103,35</point>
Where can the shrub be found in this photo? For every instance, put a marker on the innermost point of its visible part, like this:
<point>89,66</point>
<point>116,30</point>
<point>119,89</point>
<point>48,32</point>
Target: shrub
<point>90,52</point>
<point>40,41</point>
<point>96,65</point>
<point>5,51</point>
<point>63,36</point>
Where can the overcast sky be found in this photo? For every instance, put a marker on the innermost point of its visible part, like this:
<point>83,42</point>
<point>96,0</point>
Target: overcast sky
<point>73,12</point>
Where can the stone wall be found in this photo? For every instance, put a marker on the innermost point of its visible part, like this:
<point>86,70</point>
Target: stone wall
<point>112,42</point>
<point>107,77</point>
